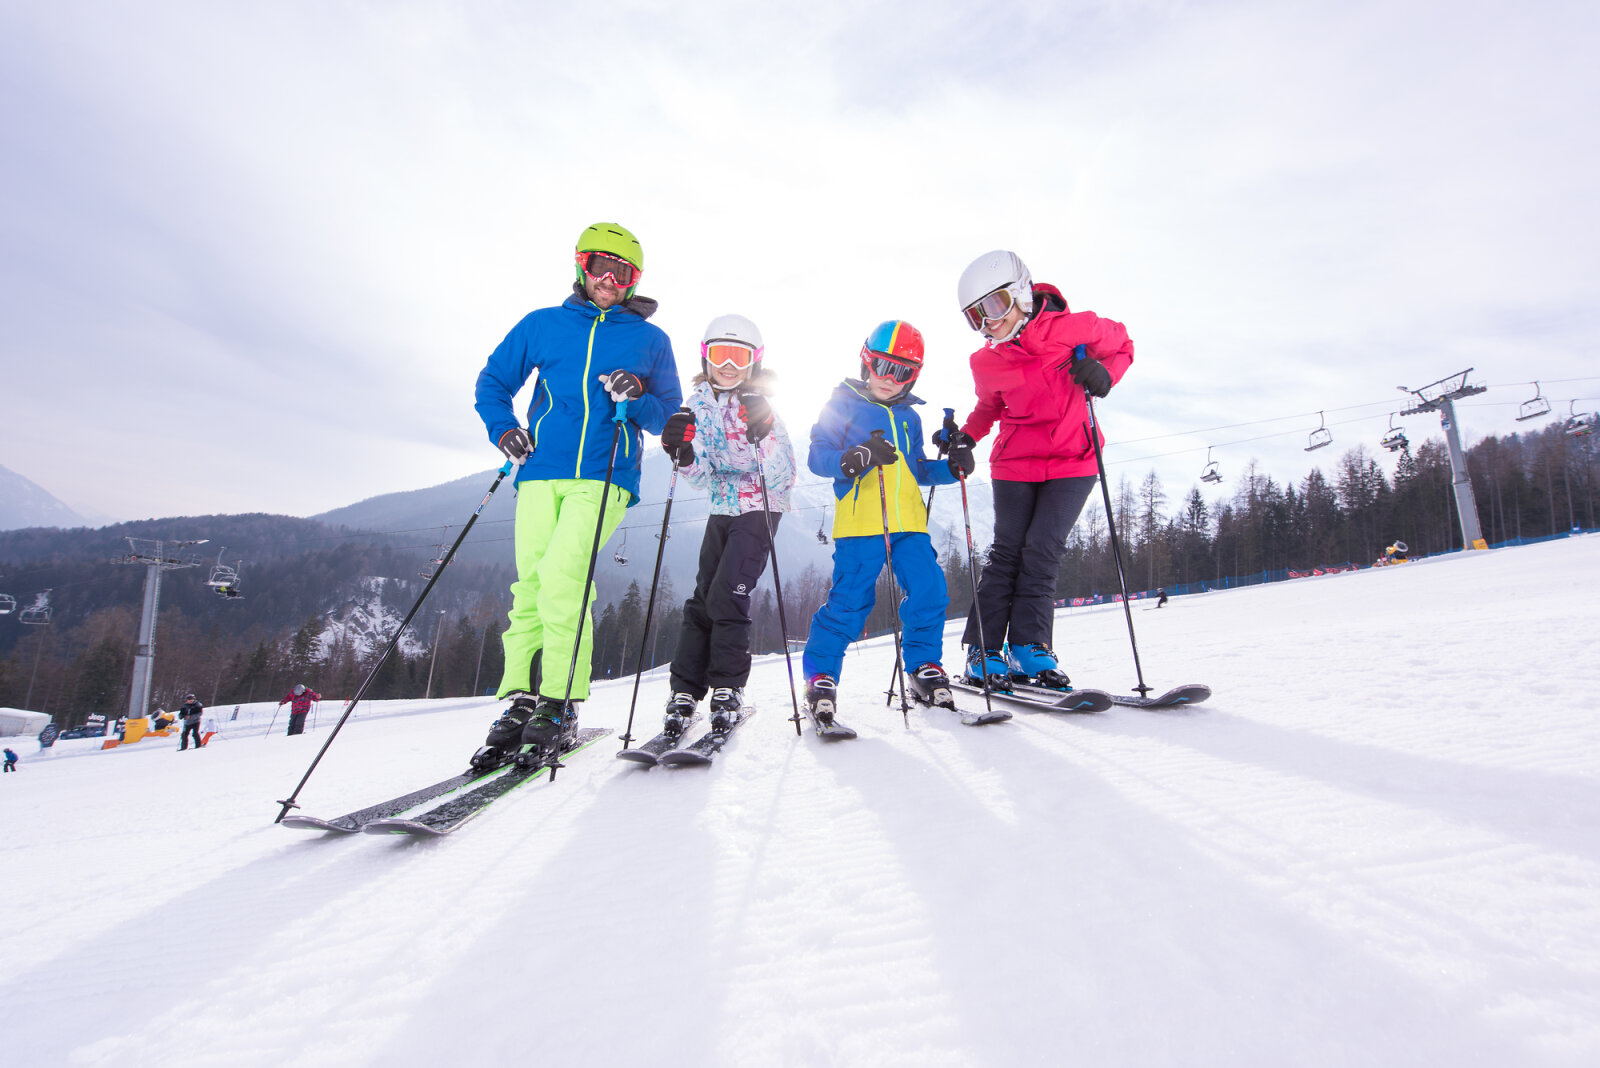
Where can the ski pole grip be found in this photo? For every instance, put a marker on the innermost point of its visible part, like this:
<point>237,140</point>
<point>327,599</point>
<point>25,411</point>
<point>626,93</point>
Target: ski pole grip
<point>622,409</point>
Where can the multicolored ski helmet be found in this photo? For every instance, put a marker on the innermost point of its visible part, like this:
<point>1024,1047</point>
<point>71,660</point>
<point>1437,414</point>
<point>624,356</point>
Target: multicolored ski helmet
<point>613,239</point>
<point>893,350</point>
<point>725,336</point>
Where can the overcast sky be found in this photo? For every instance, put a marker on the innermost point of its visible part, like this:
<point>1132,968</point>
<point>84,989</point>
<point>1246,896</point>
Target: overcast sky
<point>254,255</point>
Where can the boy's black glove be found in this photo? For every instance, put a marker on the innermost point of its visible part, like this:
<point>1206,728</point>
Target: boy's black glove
<point>516,444</point>
<point>876,451</point>
<point>756,411</point>
<point>676,436</point>
<point>1092,375</point>
<point>961,462</point>
<point>623,385</point>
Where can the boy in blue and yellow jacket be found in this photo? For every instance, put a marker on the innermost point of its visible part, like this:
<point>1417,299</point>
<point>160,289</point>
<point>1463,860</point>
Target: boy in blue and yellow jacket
<point>869,439</point>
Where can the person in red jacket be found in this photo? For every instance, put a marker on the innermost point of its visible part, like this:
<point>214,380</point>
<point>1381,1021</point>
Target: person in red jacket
<point>299,700</point>
<point>1030,377</point>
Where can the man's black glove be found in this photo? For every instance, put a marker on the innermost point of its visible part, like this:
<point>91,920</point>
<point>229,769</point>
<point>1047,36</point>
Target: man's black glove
<point>623,385</point>
<point>961,462</point>
<point>676,436</point>
<point>874,452</point>
<point>756,411</point>
<point>516,444</point>
<point>1092,375</point>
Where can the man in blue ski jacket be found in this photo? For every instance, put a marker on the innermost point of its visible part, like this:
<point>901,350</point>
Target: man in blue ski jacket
<point>592,353</point>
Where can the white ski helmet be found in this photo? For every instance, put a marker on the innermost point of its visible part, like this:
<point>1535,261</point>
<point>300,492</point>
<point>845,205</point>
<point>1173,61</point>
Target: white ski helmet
<point>995,272</point>
<point>735,328</point>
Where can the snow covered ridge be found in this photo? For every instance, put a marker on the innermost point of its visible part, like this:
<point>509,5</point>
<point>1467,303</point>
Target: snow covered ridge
<point>365,624</point>
<point>1376,845</point>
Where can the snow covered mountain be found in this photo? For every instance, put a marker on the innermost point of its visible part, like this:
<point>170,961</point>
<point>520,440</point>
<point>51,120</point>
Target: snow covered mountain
<point>1378,844</point>
<point>26,504</point>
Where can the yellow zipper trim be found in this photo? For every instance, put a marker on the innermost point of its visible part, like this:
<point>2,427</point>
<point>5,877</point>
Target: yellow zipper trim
<point>588,358</point>
<point>899,475</point>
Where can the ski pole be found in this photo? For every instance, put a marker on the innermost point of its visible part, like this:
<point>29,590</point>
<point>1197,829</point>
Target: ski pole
<point>972,575</point>
<point>316,706</point>
<point>972,571</point>
<point>1092,427</point>
<point>649,612</point>
<point>594,552</point>
<point>290,801</point>
<point>274,723</point>
<point>783,621</point>
<point>894,599</point>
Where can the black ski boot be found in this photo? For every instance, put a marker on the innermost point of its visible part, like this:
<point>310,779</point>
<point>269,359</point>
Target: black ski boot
<point>681,710</point>
<point>725,704</point>
<point>505,737</point>
<point>930,685</point>
<point>822,698</point>
<point>549,731</point>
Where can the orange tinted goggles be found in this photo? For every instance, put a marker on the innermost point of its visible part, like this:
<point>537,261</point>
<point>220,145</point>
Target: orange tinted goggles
<point>723,354</point>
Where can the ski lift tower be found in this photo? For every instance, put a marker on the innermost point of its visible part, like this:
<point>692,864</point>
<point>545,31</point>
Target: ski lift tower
<point>1440,397</point>
<point>156,557</point>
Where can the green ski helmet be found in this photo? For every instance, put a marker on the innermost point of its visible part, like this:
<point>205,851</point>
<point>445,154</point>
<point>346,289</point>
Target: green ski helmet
<point>615,239</point>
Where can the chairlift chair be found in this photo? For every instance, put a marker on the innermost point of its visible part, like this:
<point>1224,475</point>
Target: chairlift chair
<point>38,613</point>
<point>8,604</point>
<point>1210,473</point>
<point>621,555</point>
<point>437,562</point>
<point>822,538</point>
<point>1395,440</point>
<point>1579,424</point>
<point>1320,437</point>
<point>1535,408</point>
<point>224,579</point>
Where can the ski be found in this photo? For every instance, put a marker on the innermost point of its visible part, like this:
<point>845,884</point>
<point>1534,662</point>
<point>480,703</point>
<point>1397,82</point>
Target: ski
<point>1190,694</point>
<point>707,746</point>
<point>445,818</point>
<point>971,719</point>
<point>649,754</point>
<point>352,822</point>
<point>1043,700</point>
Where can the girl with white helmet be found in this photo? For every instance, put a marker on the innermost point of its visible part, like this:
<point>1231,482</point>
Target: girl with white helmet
<point>1030,375</point>
<point>723,440</point>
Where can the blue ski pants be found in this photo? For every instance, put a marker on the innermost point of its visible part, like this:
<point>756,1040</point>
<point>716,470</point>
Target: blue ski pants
<point>857,563</point>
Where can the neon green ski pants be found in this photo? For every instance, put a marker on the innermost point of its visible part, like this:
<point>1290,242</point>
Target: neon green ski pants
<point>554,533</point>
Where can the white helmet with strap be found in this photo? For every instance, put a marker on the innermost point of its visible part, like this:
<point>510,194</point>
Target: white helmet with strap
<point>994,272</point>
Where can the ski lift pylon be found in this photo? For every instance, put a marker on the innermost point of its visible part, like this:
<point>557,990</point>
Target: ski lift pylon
<point>37,614</point>
<point>1210,473</point>
<point>1320,437</point>
<point>8,604</point>
<point>1395,440</point>
<point>1535,408</point>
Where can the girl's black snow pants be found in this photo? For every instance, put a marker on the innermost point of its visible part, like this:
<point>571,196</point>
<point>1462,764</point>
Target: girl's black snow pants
<point>714,645</point>
<point>1017,591</point>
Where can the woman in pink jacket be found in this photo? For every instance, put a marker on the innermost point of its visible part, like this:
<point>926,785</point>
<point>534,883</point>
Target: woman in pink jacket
<point>1042,463</point>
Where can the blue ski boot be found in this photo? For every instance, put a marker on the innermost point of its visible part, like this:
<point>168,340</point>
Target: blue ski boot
<point>978,661</point>
<point>1036,664</point>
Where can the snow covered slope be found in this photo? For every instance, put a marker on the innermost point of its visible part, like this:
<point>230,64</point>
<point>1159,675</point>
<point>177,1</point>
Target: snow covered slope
<point>1378,844</point>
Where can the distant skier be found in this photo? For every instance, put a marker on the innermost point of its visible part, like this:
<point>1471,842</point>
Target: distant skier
<point>593,353</point>
<point>1161,596</point>
<point>730,419</point>
<point>190,713</point>
<point>299,701</point>
<point>1043,464</point>
<point>11,759</point>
